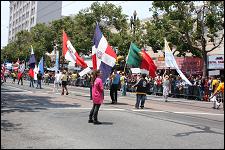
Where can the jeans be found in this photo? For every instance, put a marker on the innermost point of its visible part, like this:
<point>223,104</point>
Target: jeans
<point>94,112</point>
<point>39,83</point>
<point>21,79</point>
<point>31,82</point>
<point>123,90</point>
<point>140,99</point>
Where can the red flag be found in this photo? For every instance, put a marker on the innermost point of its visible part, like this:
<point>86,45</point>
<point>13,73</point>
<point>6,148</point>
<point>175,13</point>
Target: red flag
<point>31,73</point>
<point>148,64</point>
<point>19,75</point>
<point>70,53</point>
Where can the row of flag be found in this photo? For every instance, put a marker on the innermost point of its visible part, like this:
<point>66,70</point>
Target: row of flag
<point>104,57</point>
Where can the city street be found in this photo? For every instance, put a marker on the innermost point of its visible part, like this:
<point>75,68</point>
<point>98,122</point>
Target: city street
<point>39,118</point>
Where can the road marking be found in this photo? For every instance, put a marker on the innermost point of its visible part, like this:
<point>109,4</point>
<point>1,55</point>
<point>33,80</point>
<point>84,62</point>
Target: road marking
<point>89,108</point>
<point>147,110</point>
<point>197,113</point>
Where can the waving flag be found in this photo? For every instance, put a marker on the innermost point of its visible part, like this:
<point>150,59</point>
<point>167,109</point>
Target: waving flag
<point>32,60</point>
<point>140,59</point>
<point>171,62</point>
<point>103,56</point>
<point>41,66</point>
<point>70,53</point>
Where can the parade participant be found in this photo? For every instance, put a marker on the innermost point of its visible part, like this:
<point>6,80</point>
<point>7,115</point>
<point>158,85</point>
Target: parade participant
<point>115,82</point>
<point>31,77</point>
<point>97,96</point>
<point>215,84</point>
<point>123,84</point>
<point>166,86</point>
<point>20,72</point>
<point>64,79</point>
<point>13,76</point>
<point>91,84</point>
<point>57,81</point>
<point>219,89</point>
<point>39,78</point>
<point>141,91</point>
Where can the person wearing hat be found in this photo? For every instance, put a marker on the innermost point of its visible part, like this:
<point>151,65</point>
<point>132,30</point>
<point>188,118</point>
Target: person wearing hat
<point>166,86</point>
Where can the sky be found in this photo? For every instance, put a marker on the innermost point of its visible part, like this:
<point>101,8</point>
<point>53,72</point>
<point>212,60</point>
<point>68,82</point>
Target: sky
<point>73,7</point>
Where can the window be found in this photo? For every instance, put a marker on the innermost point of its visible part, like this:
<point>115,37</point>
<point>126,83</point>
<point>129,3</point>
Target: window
<point>27,14</point>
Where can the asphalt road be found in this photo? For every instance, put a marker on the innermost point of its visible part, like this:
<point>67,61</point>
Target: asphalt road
<point>39,118</point>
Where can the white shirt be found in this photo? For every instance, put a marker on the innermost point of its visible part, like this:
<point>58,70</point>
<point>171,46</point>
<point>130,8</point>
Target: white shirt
<point>58,77</point>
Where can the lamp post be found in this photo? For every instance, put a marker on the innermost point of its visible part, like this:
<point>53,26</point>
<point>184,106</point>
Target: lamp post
<point>133,22</point>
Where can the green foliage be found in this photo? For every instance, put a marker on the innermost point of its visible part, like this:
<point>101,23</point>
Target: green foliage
<point>186,26</point>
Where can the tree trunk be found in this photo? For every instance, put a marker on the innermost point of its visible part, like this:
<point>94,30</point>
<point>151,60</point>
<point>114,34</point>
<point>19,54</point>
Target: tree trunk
<point>205,69</point>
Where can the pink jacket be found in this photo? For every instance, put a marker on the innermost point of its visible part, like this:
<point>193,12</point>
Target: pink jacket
<point>97,91</point>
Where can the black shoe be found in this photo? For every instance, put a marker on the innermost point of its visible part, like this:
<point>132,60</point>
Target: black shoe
<point>142,107</point>
<point>112,102</point>
<point>67,93</point>
<point>90,121</point>
<point>97,122</point>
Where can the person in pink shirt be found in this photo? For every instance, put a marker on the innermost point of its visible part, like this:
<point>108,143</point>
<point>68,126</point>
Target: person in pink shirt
<point>97,97</point>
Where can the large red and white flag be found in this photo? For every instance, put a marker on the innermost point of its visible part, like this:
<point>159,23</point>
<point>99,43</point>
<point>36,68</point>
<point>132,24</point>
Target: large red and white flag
<point>70,53</point>
<point>103,56</point>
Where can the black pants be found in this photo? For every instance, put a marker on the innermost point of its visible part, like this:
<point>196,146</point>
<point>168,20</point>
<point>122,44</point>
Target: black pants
<point>94,112</point>
<point>90,92</point>
<point>21,79</point>
<point>113,92</point>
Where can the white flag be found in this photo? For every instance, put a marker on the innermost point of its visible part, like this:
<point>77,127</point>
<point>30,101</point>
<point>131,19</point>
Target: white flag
<point>171,62</point>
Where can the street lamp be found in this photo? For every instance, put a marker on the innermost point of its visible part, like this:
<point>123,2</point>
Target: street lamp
<point>133,21</point>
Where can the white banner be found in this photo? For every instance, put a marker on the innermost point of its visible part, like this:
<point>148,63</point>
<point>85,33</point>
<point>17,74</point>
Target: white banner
<point>138,70</point>
<point>216,62</point>
<point>85,71</point>
<point>171,62</point>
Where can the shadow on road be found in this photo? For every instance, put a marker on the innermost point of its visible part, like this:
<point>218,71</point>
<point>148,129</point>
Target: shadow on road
<point>11,102</point>
<point>203,129</point>
<point>7,126</point>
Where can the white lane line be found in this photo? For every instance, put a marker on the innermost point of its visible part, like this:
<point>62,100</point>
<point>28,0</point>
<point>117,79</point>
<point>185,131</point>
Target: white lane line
<point>80,108</point>
<point>147,110</point>
<point>196,113</point>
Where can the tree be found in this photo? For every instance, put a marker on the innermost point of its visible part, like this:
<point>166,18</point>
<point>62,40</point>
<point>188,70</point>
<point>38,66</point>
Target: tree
<point>187,26</point>
<point>108,16</point>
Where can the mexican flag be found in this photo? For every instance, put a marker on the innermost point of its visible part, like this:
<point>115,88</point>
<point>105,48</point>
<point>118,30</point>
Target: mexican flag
<point>138,58</point>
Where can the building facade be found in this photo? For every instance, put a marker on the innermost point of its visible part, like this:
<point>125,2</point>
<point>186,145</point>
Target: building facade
<point>26,14</point>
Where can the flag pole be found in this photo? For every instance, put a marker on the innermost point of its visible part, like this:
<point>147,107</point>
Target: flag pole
<point>126,59</point>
